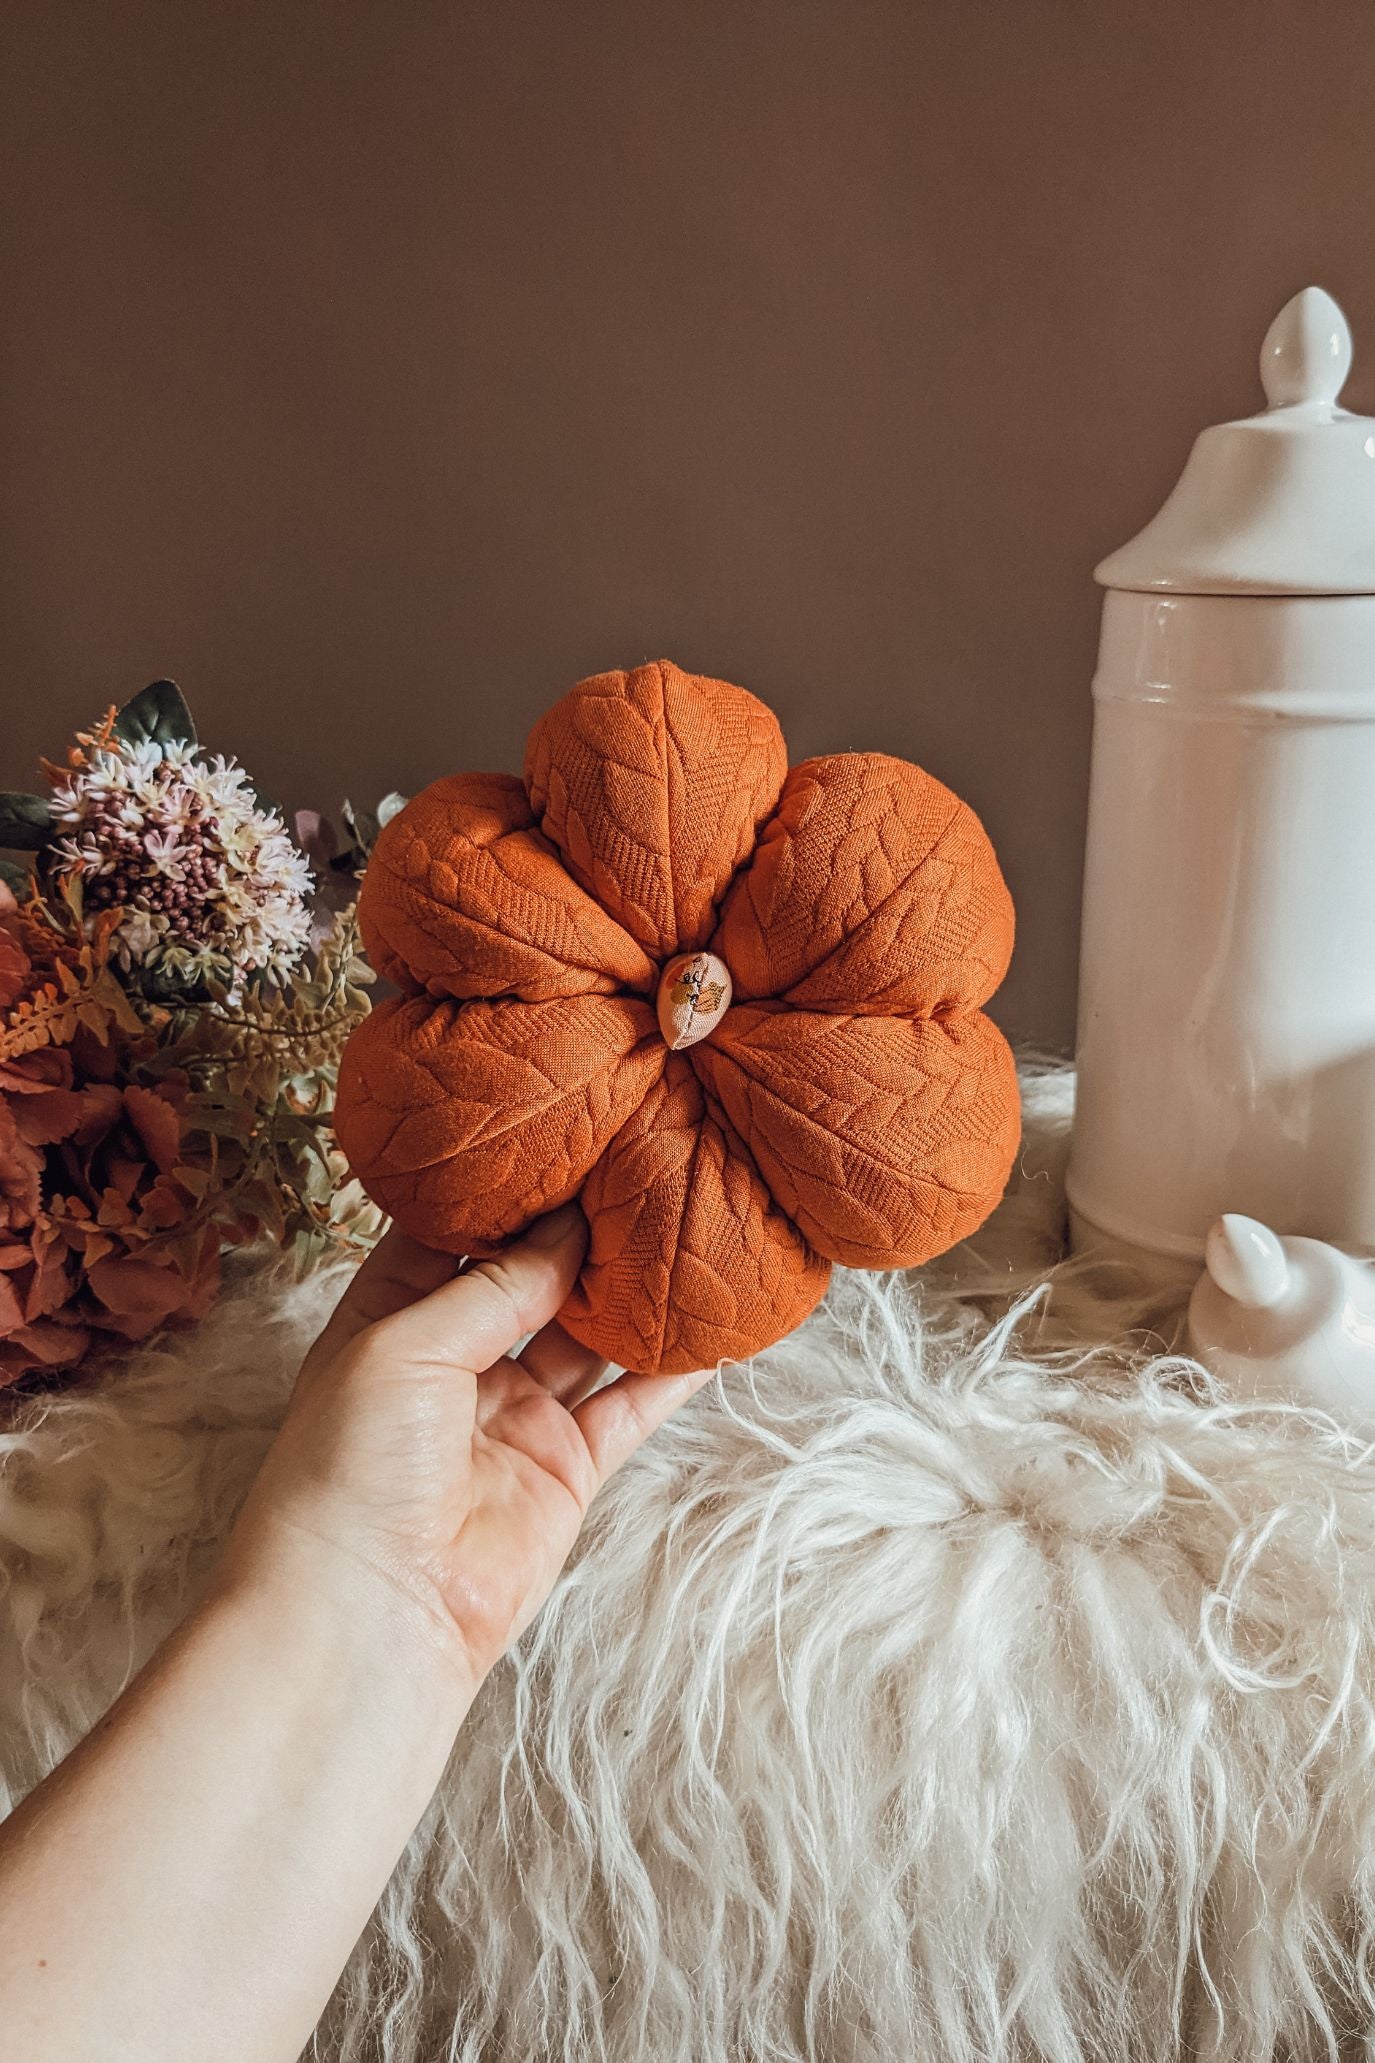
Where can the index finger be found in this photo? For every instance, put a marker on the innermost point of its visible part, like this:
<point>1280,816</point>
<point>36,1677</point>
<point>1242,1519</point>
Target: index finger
<point>618,1419</point>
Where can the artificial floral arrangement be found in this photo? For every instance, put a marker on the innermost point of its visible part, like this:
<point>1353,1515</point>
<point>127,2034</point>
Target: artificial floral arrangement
<point>175,990</point>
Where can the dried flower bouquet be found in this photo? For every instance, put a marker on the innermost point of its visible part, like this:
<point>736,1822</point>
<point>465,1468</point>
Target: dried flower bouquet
<point>175,988</point>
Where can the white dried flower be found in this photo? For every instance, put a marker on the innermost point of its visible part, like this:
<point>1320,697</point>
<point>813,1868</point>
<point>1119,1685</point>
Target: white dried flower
<point>211,885</point>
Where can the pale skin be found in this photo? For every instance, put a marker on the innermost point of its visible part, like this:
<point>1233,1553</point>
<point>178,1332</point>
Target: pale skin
<point>189,1883</point>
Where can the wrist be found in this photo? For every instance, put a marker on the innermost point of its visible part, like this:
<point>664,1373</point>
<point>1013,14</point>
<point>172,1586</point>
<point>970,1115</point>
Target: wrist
<point>319,1602</point>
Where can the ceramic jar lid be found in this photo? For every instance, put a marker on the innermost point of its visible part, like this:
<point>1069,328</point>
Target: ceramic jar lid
<point>1280,503</point>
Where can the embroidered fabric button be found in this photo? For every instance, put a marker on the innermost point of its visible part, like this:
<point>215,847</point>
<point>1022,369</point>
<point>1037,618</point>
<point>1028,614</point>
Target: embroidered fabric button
<point>694,995</point>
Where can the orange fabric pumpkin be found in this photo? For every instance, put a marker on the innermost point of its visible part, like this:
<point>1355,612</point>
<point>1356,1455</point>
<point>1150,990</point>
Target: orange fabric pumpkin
<point>851,1104</point>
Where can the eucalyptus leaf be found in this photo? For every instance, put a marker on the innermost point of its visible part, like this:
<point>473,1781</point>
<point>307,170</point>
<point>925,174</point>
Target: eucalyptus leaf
<point>157,715</point>
<point>26,821</point>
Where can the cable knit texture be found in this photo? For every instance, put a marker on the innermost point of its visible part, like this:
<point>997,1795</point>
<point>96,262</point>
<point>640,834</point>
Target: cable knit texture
<point>852,1104</point>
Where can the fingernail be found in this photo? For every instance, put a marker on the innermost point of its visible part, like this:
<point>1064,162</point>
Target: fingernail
<point>556,1227</point>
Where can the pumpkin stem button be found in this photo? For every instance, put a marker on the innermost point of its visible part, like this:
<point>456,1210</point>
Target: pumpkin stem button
<point>694,995</point>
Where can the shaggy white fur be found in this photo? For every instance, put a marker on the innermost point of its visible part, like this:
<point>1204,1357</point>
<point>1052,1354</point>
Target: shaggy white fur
<point>947,1684</point>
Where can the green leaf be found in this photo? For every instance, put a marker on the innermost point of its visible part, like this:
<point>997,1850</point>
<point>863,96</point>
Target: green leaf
<point>15,878</point>
<point>362,825</point>
<point>26,822</point>
<point>158,715</point>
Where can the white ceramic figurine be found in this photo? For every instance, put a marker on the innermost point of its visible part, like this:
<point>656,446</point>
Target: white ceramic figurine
<point>1287,1318</point>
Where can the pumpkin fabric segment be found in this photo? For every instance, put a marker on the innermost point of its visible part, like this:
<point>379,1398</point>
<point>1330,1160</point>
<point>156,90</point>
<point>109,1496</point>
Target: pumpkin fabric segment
<point>735,1010</point>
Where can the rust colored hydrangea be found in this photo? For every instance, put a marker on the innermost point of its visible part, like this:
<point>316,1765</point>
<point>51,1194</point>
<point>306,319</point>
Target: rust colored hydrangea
<point>101,1230</point>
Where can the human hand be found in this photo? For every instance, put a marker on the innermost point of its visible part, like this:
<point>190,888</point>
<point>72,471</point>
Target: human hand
<point>416,1445</point>
<point>234,1817</point>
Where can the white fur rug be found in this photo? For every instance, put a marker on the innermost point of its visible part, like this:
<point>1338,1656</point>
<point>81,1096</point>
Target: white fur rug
<point>941,1686</point>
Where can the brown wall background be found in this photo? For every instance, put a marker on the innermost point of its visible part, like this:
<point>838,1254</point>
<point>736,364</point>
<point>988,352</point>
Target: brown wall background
<point>377,370</point>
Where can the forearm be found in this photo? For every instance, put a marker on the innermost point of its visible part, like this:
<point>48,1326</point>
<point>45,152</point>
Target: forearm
<point>190,1883</point>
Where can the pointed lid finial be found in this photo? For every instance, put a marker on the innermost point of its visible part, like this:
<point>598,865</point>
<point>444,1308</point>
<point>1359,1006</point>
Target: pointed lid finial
<point>1306,355</point>
<point>1279,503</point>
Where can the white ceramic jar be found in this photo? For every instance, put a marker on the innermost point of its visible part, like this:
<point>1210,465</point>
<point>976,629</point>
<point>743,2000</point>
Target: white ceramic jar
<point>1226,1044</point>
